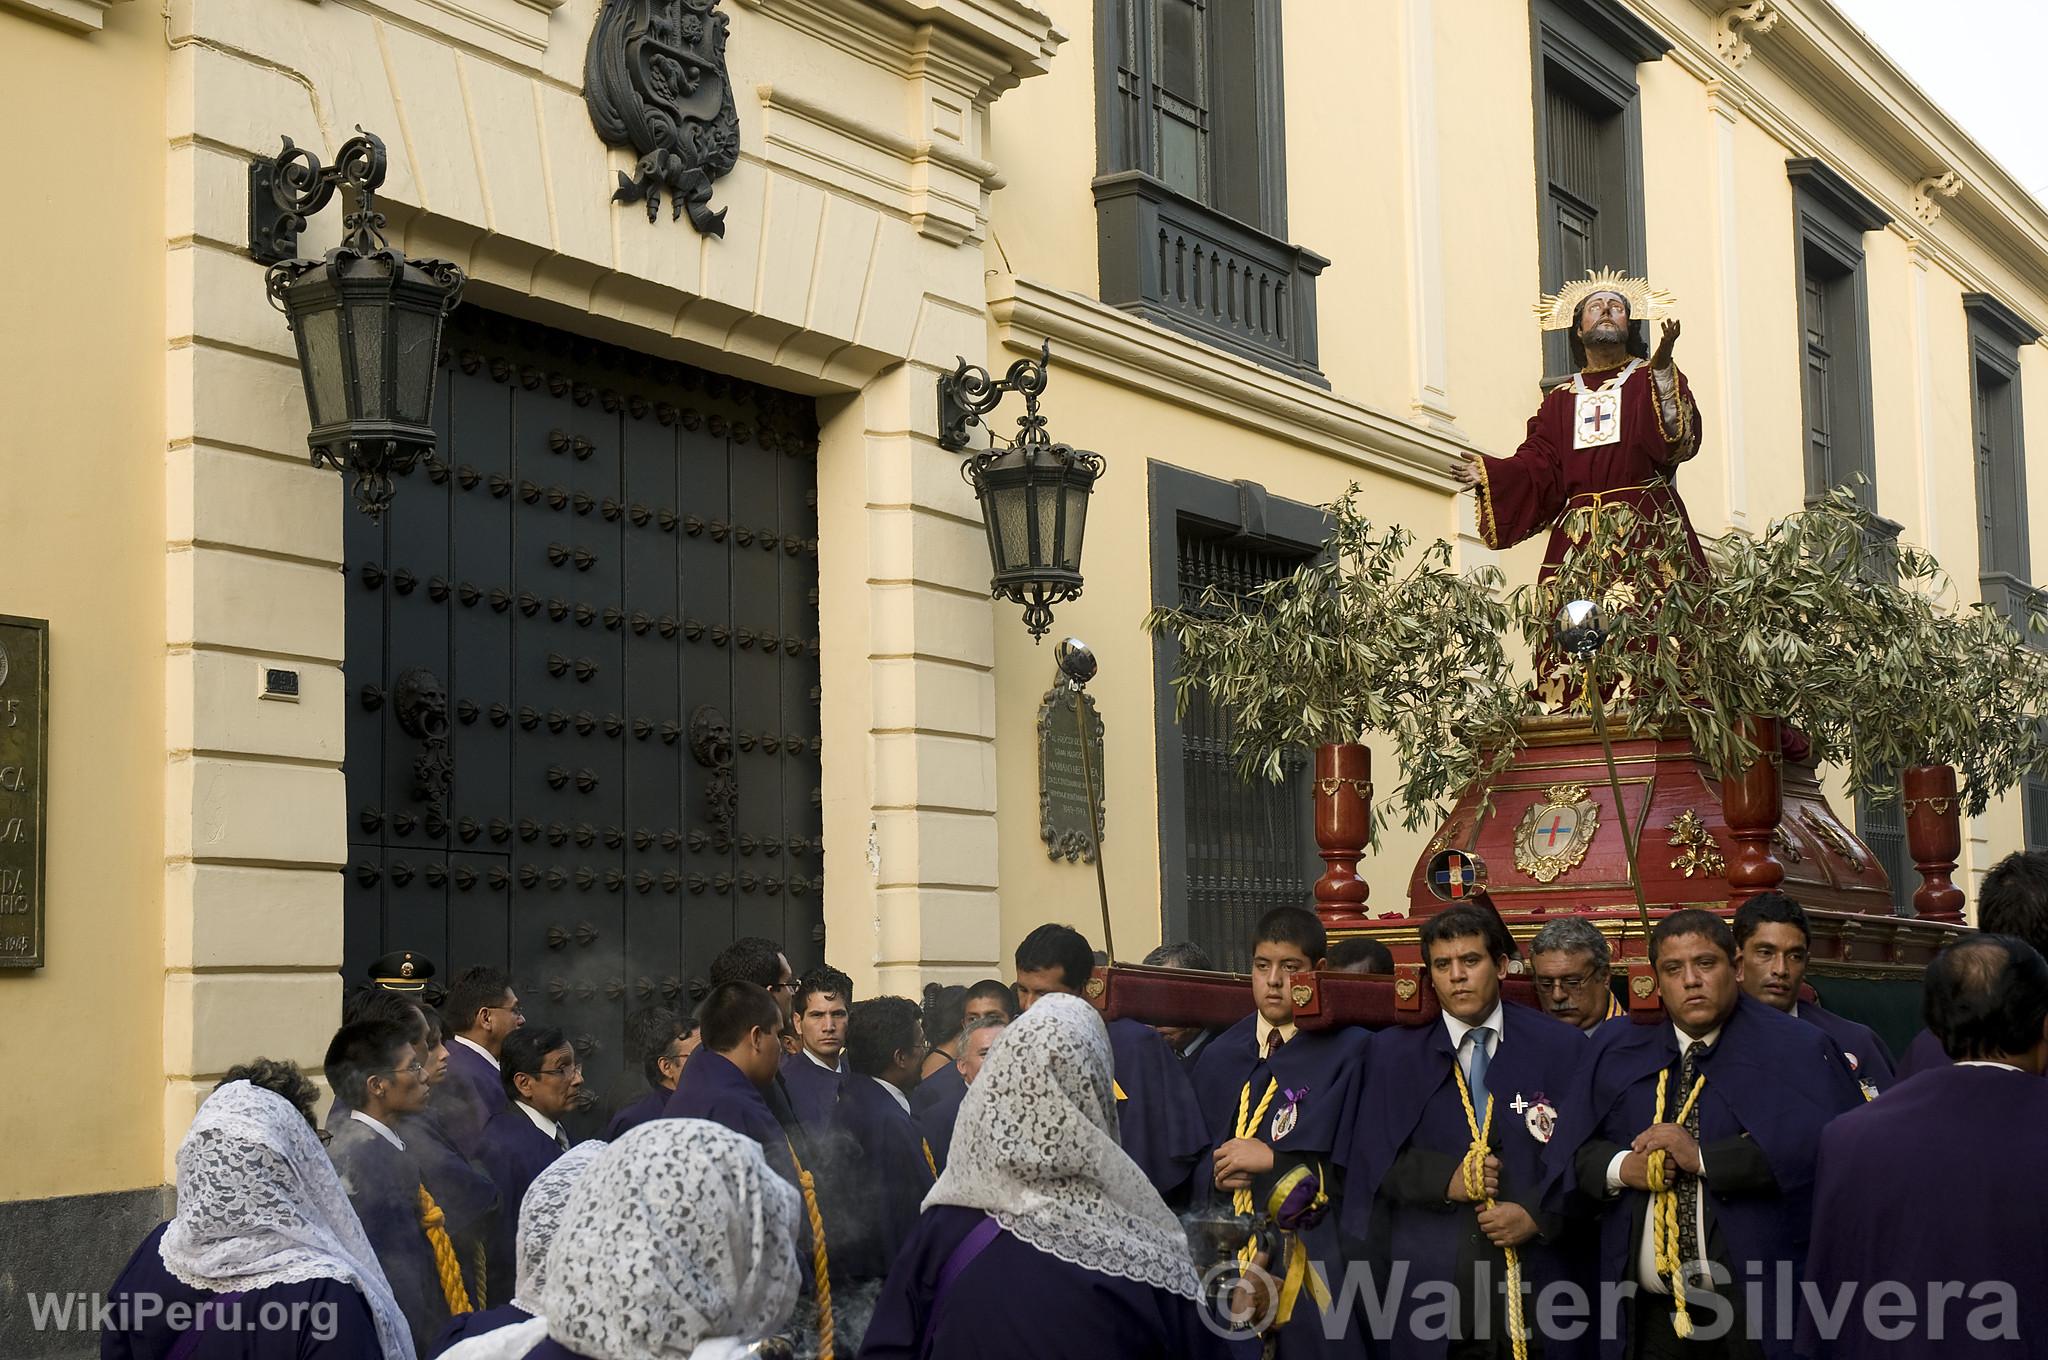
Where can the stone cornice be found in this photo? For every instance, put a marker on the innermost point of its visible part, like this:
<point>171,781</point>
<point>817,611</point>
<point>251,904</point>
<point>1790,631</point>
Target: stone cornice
<point>87,16</point>
<point>1875,103</point>
<point>1122,349</point>
<point>1000,41</point>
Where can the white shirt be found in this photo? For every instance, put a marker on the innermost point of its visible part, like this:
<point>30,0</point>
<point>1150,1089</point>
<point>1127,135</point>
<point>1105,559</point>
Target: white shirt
<point>891,1088</point>
<point>1491,1027</point>
<point>827,1066</point>
<point>382,1132</point>
<point>1986,1062</point>
<point>479,1049</point>
<point>1265,1030</point>
<point>540,1121</point>
<point>1646,1255</point>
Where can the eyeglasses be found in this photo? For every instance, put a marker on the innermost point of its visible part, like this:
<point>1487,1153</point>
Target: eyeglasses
<point>517,1008</point>
<point>324,1136</point>
<point>1571,983</point>
<point>569,1069</point>
<point>782,986</point>
<point>416,1068</point>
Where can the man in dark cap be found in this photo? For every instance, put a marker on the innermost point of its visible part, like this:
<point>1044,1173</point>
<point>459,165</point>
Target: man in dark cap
<point>409,973</point>
<point>1922,1198</point>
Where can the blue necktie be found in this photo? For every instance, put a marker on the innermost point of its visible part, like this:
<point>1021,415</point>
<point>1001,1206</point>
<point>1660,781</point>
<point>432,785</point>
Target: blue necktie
<point>1475,1074</point>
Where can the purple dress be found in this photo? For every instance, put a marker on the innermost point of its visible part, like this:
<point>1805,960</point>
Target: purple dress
<point>1014,1302</point>
<point>1953,1216</point>
<point>329,1308</point>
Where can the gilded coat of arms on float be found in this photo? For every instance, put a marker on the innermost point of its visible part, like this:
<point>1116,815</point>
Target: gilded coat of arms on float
<point>655,80</point>
<point>1553,834</point>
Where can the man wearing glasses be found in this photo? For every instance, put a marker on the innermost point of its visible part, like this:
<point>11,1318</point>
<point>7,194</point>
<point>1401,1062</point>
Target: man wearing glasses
<point>1572,965</point>
<point>482,1012</point>
<point>377,1070</point>
<point>542,1077</point>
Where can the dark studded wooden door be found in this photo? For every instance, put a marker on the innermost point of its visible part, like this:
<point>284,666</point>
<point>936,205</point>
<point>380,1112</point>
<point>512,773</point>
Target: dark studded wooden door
<point>583,682</point>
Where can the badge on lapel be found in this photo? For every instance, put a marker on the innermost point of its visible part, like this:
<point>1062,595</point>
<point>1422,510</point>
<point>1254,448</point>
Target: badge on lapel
<point>1541,1118</point>
<point>1284,1121</point>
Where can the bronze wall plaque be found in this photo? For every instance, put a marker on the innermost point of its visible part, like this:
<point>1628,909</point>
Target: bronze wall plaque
<point>24,768</point>
<point>1062,789</point>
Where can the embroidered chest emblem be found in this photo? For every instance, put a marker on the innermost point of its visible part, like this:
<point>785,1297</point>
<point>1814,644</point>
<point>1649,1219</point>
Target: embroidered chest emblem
<point>1597,421</point>
<point>1541,1117</point>
<point>1285,1119</point>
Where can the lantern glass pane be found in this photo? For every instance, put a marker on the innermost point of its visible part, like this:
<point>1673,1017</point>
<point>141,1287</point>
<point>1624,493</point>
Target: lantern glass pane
<point>1013,530</point>
<point>320,352</point>
<point>366,322</point>
<point>1077,525</point>
<point>1047,550</point>
<point>416,334</point>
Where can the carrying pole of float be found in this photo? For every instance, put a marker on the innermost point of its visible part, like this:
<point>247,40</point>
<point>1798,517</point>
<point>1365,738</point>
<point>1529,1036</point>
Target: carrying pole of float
<point>1077,664</point>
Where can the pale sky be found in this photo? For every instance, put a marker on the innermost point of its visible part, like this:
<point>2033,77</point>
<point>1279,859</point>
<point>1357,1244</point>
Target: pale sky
<point>1981,61</point>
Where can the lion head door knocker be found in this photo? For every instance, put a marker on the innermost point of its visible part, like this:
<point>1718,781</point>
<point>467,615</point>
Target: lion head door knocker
<point>711,743</point>
<point>420,703</point>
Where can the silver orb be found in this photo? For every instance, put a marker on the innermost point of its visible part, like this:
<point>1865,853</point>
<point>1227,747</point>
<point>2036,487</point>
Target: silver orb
<point>1075,660</point>
<point>1581,628</point>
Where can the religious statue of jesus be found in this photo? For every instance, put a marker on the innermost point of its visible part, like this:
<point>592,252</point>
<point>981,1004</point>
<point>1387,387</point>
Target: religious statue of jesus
<point>1611,437</point>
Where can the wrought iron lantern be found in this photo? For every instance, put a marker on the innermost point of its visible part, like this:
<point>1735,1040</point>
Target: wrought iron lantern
<point>1033,492</point>
<point>366,319</point>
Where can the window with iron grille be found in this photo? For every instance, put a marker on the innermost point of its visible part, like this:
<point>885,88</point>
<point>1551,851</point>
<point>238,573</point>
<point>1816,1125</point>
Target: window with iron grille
<point>2035,796</point>
<point>1589,146</point>
<point>1882,826</point>
<point>1834,322</point>
<point>1997,334</point>
<point>1231,849</point>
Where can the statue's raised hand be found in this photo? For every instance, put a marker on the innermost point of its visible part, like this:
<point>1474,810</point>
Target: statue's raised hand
<point>1665,340</point>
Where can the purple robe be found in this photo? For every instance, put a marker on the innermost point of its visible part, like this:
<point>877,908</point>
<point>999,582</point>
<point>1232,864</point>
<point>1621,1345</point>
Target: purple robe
<point>713,1088</point>
<point>813,1091</point>
<point>936,1105</point>
<point>1014,1302</point>
<point>1954,1217</point>
<point>354,1330</point>
<point>1317,1070</point>
<point>1924,1054</point>
<point>471,1093</point>
<point>514,1151</point>
<point>881,1181</point>
<point>466,1325</point>
<point>1773,1083</point>
<point>1160,1120</point>
<point>630,1117</point>
<point>1869,1058</point>
<point>383,1186</point>
<point>465,1191</point>
<point>1406,1136</point>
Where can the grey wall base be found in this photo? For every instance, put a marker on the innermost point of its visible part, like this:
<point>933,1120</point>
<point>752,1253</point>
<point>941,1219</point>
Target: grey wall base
<point>73,1245</point>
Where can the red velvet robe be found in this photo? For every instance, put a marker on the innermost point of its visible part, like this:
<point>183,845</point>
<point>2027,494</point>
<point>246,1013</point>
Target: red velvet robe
<point>1531,491</point>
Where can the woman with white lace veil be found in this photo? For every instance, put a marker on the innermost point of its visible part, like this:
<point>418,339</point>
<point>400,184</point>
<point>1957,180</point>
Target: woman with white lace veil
<point>265,1259</point>
<point>540,1214</point>
<point>1043,1240</point>
<point>678,1243</point>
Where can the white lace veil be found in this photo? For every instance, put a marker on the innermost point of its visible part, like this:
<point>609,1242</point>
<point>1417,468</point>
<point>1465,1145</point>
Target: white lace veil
<point>678,1241</point>
<point>1036,1146</point>
<point>259,1204</point>
<point>540,1213</point>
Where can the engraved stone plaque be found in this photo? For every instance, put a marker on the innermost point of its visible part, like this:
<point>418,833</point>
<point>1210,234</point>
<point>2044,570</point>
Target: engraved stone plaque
<point>24,764</point>
<point>1062,781</point>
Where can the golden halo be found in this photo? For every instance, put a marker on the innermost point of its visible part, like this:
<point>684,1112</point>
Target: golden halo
<point>1558,311</point>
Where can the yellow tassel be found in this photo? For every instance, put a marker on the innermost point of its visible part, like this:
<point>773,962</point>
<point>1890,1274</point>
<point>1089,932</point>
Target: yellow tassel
<point>1664,1208</point>
<point>481,1296</point>
<point>1474,1167</point>
<point>446,1265</point>
<point>818,1266</point>
<point>929,1164</point>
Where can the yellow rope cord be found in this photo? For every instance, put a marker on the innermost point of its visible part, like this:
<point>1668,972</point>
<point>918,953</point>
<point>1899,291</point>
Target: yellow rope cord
<point>1664,1208</point>
<point>929,1164</point>
<point>446,1265</point>
<point>482,1293</point>
<point>822,1275</point>
<point>1248,1121</point>
<point>1474,1167</point>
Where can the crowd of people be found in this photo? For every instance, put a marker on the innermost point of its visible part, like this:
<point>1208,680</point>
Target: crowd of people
<point>997,1172</point>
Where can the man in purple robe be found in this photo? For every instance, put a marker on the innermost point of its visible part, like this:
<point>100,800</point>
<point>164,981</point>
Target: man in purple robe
<point>885,1169</point>
<point>2014,901</point>
<point>1438,1205</point>
<point>1945,1260</point>
<point>542,1077</point>
<point>741,1027</point>
<point>1772,941</point>
<point>814,1073</point>
<point>1275,1099</point>
<point>1725,1102</point>
<point>937,1113</point>
<point>664,1051</point>
<point>1162,1124</point>
<point>481,1012</point>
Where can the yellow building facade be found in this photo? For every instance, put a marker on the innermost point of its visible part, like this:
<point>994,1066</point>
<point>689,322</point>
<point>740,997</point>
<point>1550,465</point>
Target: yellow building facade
<point>1381,190</point>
